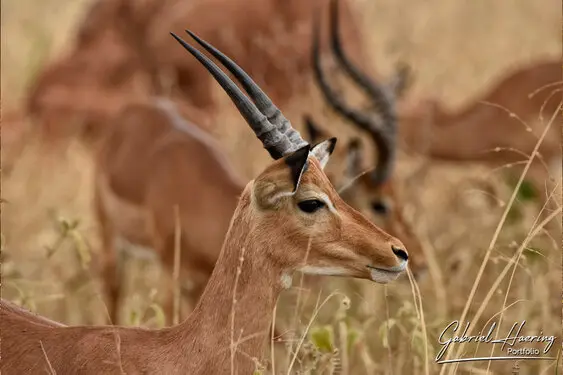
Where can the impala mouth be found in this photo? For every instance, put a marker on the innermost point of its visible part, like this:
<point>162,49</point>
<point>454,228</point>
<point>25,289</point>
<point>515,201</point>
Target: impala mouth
<point>385,275</point>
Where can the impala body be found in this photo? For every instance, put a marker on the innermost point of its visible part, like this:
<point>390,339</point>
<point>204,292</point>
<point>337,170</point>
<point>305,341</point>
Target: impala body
<point>106,64</point>
<point>288,218</point>
<point>123,46</point>
<point>150,163</point>
<point>531,92</point>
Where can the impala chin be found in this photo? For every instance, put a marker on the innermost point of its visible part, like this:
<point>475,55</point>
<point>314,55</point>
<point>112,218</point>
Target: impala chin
<point>385,275</point>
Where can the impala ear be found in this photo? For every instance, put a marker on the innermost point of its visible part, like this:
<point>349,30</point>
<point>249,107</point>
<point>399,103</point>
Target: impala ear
<point>297,163</point>
<point>323,150</point>
<point>314,132</point>
<point>354,156</point>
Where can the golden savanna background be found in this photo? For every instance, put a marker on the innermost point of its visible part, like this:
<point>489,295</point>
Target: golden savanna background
<point>457,50</point>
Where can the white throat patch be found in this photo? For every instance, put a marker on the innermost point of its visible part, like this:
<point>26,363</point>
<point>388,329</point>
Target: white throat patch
<point>286,280</point>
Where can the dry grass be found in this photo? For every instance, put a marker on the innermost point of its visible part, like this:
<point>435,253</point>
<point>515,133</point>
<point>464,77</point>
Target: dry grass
<point>457,48</point>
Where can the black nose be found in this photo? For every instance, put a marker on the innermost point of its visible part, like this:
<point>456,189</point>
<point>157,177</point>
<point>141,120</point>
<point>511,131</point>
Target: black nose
<point>400,253</point>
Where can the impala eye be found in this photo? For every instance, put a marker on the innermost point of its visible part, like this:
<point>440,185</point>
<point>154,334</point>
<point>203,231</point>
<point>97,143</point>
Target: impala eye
<point>311,205</point>
<point>379,207</point>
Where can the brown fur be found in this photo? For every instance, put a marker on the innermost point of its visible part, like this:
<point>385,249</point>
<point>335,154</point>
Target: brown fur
<point>81,90</point>
<point>348,172</point>
<point>269,39</point>
<point>125,46</point>
<point>473,132</point>
<point>145,165</point>
<point>151,160</point>
<point>202,343</point>
<point>363,193</point>
<point>289,218</point>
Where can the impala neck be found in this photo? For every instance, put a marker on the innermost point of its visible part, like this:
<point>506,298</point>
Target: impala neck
<point>211,327</point>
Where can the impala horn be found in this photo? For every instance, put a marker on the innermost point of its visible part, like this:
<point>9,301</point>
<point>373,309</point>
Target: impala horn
<point>266,120</point>
<point>382,129</point>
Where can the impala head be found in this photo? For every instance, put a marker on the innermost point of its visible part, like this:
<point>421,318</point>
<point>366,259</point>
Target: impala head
<point>373,191</point>
<point>293,201</point>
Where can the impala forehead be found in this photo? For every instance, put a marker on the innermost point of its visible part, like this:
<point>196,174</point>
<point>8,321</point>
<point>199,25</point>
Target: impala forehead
<point>313,184</point>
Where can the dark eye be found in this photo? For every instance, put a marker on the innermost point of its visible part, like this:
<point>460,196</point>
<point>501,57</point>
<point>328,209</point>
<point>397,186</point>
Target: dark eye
<point>379,207</point>
<point>310,205</point>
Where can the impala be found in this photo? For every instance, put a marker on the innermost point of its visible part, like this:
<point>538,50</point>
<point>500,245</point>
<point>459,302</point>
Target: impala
<point>485,124</point>
<point>107,62</point>
<point>150,161</point>
<point>373,192</point>
<point>485,131</point>
<point>288,218</point>
<point>121,46</point>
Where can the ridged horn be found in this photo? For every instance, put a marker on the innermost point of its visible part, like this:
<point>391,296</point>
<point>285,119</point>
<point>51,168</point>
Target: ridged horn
<point>381,133</point>
<point>259,97</point>
<point>278,139</point>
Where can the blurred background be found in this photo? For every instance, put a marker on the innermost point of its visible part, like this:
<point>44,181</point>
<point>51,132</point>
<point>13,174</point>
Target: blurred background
<point>69,66</point>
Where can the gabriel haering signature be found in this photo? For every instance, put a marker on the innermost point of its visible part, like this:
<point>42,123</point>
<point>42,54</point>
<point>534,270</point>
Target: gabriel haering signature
<point>513,338</point>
